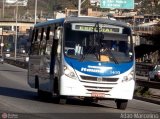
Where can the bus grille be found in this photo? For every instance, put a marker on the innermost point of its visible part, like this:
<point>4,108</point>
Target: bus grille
<point>98,89</point>
<point>88,78</point>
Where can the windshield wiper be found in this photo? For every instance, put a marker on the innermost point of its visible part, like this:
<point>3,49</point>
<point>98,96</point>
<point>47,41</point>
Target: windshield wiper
<point>92,47</point>
<point>100,36</point>
<point>111,55</point>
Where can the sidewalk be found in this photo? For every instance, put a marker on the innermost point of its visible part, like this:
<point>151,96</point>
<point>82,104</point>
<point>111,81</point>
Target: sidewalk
<point>155,94</point>
<point>151,100</point>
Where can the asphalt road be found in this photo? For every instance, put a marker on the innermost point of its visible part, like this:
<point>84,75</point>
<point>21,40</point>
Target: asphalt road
<point>18,100</point>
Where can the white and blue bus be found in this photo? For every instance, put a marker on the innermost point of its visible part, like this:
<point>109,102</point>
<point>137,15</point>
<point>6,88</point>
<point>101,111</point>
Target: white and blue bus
<point>84,57</point>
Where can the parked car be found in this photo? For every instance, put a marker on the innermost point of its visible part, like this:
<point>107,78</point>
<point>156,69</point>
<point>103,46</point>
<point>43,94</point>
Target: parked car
<point>1,59</point>
<point>154,74</point>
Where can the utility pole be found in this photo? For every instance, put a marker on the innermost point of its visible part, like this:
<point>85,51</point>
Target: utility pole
<point>79,6</point>
<point>35,21</point>
<point>2,44</point>
<point>3,8</point>
<point>15,54</point>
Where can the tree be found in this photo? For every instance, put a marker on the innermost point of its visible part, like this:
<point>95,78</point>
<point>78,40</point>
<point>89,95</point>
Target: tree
<point>148,6</point>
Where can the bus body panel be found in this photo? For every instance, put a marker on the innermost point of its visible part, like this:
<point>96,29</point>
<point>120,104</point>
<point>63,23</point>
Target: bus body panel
<point>118,90</point>
<point>33,71</point>
<point>39,70</point>
<point>116,87</point>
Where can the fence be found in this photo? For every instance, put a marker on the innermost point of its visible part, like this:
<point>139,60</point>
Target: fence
<point>142,69</point>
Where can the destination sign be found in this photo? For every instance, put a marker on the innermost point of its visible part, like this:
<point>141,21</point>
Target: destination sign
<point>104,29</point>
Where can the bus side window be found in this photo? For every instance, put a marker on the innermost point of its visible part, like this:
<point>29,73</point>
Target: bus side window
<point>58,36</point>
<point>50,41</point>
<point>35,44</point>
<point>46,42</point>
<point>42,46</point>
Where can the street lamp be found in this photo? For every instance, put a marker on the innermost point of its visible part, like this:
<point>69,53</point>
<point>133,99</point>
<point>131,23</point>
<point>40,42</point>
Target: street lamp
<point>15,54</point>
<point>3,8</point>
<point>2,44</point>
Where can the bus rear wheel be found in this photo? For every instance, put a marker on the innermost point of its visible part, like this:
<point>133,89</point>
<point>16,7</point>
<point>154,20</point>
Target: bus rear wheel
<point>61,100</point>
<point>44,95</point>
<point>121,104</point>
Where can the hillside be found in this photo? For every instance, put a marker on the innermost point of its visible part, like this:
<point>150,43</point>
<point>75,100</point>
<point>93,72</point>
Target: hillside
<point>44,8</point>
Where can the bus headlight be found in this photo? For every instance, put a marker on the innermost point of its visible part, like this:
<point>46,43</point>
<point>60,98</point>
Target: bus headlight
<point>129,77</point>
<point>69,73</point>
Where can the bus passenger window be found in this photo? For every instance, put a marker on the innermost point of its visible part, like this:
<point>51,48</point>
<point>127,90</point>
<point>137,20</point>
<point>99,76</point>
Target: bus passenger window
<point>35,44</point>
<point>35,48</point>
<point>48,50</point>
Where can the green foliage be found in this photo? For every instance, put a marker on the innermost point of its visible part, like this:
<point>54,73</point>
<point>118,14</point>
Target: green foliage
<point>142,91</point>
<point>49,6</point>
<point>143,5</point>
<point>86,4</point>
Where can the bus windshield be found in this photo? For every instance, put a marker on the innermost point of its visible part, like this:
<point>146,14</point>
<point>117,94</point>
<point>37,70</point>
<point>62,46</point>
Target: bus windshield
<point>104,43</point>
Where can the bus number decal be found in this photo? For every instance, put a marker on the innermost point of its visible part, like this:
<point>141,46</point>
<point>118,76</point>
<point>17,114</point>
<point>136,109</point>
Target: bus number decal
<point>115,72</point>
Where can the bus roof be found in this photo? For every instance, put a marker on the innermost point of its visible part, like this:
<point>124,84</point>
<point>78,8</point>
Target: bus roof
<point>96,19</point>
<point>61,20</point>
<point>83,19</point>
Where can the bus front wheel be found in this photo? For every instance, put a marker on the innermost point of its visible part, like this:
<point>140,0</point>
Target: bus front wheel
<point>62,100</point>
<point>121,104</point>
<point>44,95</point>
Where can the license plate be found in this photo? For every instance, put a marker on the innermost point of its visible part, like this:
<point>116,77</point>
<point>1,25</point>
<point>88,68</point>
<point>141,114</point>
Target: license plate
<point>97,94</point>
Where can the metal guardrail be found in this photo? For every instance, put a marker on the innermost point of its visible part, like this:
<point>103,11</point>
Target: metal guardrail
<point>146,29</point>
<point>142,69</point>
<point>17,63</point>
<point>148,84</point>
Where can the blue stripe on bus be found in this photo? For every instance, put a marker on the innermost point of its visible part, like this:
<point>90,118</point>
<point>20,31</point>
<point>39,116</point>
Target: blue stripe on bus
<point>99,68</point>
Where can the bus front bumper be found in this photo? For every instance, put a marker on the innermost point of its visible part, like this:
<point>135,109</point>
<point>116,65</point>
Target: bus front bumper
<point>73,87</point>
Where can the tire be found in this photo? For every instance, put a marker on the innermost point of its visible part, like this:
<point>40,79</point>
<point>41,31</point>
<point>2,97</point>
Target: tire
<point>40,93</point>
<point>121,104</point>
<point>62,100</point>
<point>44,95</point>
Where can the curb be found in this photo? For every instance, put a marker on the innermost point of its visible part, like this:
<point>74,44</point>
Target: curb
<point>151,100</point>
